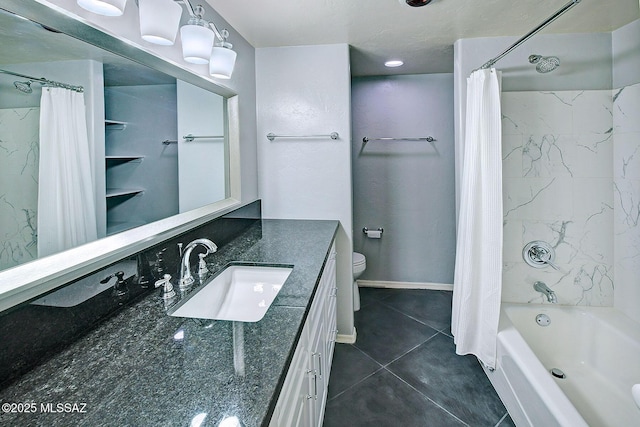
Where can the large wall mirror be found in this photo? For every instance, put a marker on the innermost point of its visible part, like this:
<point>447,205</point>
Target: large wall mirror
<point>161,145</point>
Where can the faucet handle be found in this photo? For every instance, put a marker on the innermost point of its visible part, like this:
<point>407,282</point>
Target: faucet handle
<point>168,291</point>
<point>120,288</point>
<point>159,267</point>
<point>143,271</point>
<point>202,265</point>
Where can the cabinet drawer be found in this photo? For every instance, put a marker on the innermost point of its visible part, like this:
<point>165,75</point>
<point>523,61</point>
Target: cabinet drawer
<point>290,408</point>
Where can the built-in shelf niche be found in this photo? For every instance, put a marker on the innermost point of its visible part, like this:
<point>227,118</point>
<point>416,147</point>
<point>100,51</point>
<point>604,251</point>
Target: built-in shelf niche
<point>123,159</point>
<point>121,192</point>
<point>115,124</point>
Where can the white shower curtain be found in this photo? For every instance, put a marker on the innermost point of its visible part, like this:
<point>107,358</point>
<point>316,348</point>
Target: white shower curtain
<point>66,195</point>
<point>478,269</point>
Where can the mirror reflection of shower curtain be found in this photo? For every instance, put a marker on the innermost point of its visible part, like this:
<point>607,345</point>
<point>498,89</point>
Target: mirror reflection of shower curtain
<point>477,283</point>
<point>66,184</point>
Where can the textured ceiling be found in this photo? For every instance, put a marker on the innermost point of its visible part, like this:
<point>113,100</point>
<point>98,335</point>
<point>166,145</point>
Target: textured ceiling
<point>423,38</point>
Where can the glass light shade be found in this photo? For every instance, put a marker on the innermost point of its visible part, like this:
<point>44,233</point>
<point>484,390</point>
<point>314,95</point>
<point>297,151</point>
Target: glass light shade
<point>103,7</point>
<point>159,21</point>
<point>222,62</point>
<point>196,43</point>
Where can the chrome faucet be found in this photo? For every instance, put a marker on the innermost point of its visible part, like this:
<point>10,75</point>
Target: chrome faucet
<point>543,288</point>
<point>186,279</point>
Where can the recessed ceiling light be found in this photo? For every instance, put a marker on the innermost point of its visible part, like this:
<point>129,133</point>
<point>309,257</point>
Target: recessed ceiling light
<point>393,63</point>
<point>416,3</point>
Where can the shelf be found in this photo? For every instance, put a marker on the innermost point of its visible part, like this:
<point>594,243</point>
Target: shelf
<point>123,159</point>
<point>120,192</point>
<point>115,124</point>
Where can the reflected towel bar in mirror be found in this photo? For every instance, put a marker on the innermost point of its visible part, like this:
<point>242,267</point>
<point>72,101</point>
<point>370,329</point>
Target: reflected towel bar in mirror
<point>425,138</point>
<point>332,135</point>
<point>190,138</point>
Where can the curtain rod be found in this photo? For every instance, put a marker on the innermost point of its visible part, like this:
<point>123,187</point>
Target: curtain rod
<point>530,34</point>
<point>44,81</point>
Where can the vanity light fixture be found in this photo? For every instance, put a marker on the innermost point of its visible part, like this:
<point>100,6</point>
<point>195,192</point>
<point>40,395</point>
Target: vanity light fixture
<point>104,7</point>
<point>159,21</point>
<point>197,37</point>
<point>202,43</point>
<point>393,63</point>
<point>223,58</point>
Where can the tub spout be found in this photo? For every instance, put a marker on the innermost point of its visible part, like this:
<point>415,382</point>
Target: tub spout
<point>543,288</point>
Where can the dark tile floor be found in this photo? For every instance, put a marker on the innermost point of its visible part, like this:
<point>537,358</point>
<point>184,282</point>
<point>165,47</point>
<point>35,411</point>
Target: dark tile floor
<point>403,370</point>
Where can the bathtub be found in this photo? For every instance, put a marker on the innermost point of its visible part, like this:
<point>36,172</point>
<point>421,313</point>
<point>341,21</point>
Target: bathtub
<point>597,348</point>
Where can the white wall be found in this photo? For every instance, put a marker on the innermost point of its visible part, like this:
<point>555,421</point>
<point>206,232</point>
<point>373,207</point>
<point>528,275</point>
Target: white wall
<point>406,187</point>
<point>305,90</point>
<point>201,162</point>
<point>626,55</point>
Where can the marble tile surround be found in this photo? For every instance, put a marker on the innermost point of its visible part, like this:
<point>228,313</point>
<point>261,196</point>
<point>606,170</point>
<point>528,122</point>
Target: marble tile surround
<point>19,136</point>
<point>557,186</point>
<point>626,193</point>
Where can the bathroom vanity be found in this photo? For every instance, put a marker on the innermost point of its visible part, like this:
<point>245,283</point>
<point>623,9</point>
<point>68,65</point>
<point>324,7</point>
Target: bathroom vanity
<point>143,366</point>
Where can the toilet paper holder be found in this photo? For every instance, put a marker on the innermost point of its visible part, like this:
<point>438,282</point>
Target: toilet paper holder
<point>366,230</point>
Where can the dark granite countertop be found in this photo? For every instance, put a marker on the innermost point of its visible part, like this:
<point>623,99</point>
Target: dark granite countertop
<point>145,368</point>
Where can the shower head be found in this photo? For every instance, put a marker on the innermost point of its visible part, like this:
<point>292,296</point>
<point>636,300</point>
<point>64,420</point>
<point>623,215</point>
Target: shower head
<point>544,64</point>
<point>24,87</point>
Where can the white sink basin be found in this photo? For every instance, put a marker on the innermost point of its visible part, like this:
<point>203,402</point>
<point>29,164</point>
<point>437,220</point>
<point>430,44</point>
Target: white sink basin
<point>240,292</point>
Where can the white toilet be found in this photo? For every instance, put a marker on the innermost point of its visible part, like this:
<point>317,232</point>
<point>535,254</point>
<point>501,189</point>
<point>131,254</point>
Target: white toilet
<point>359,266</point>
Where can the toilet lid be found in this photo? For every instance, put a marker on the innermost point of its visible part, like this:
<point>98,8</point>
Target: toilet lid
<point>358,258</point>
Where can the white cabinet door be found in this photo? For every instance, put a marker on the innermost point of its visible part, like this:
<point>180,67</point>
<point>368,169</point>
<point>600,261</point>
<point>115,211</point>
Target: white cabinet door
<point>304,394</point>
<point>294,404</point>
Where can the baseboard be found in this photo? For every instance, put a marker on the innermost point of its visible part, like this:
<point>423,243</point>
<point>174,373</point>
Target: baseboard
<point>405,285</point>
<point>347,339</point>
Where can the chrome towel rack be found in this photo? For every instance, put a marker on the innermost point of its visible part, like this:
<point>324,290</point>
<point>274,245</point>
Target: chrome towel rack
<point>332,135</point>
<point>425,138</point>
<point>190,138</point>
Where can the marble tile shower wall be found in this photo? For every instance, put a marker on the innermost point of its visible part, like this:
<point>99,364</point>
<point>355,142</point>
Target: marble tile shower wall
<point>19,130</point>
<point>558,187</point>
<point>626,170</point>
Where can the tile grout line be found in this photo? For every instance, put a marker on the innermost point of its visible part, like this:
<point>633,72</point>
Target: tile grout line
<point>385,366</point>
<point>381,368</point>
<point>425,396</point>
<point>502,419</point>
<point>409,351</point>
<point>366,354</point>
<point>410,317</point>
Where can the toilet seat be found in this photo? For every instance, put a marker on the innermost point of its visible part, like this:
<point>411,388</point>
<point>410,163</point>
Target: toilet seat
<point>359,266</point>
